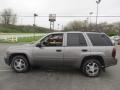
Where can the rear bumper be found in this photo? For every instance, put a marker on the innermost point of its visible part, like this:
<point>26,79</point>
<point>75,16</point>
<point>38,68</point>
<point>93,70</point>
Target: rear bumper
<point>111,62</point>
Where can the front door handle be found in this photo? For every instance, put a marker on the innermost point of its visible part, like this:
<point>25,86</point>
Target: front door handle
<point>84,50</point>
<point>58,50</point>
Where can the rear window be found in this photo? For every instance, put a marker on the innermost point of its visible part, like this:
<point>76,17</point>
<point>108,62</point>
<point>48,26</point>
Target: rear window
<point>76,39</point>
<point>99,39</point>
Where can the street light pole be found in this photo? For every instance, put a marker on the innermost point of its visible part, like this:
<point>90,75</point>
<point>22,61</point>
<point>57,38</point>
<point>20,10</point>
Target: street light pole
<point>98,2</point>
<point>86,23</point>
<point>58,26</point>
<point>62,27</point>
<point>35,15</point>
<point>97,15</point>
<point>90,17</point>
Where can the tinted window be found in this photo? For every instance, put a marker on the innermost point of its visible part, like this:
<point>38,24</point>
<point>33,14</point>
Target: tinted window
<point>53,40</point>
<point>99,39</point>
<point>76,39</point>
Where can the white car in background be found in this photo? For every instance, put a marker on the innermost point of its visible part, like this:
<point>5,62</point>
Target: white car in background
<point>112,39</point>
<point>115,39</point>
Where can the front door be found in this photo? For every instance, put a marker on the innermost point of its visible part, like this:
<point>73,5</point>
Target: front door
<point>51,50</point>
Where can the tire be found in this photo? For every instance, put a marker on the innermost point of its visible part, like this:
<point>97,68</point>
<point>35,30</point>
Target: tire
<point>20,64</point>
<point>91,68</point>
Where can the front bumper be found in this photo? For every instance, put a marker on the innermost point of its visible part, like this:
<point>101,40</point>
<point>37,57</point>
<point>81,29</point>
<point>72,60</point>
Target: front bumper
<point>6,59</point>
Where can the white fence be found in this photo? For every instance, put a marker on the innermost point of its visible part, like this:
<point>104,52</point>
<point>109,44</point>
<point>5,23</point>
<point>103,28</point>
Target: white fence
<point>15,36</point>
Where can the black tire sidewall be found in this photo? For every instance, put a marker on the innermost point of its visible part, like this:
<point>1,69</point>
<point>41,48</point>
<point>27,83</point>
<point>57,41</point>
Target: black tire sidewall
<point>89,61</point>
<point>26,63</point>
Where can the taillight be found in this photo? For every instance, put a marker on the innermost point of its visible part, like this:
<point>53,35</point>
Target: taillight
<point>114,52</point>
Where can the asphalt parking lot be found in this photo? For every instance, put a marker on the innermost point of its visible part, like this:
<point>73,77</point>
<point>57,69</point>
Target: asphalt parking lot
<point>56,79</point>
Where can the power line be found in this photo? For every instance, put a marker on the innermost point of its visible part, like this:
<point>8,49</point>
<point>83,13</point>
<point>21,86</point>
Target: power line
<point>61,16</point>
<point>71,16</point>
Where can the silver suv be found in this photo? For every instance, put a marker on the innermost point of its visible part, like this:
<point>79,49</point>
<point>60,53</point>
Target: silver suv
<point>88,51</point>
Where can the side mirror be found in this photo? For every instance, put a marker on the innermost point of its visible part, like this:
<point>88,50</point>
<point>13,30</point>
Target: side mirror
<point>45,43</point>
<point>38,45</point>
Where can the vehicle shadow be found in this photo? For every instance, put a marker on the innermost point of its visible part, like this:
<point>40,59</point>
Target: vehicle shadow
<point>62,70</point>
<point>70,71</point>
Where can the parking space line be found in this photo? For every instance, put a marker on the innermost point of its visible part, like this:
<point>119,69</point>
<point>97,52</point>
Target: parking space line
<point>5,70</point>
<point>1,56</point>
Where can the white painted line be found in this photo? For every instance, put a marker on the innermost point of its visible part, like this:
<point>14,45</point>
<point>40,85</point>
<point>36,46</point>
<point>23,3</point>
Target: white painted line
<point>5,70</point>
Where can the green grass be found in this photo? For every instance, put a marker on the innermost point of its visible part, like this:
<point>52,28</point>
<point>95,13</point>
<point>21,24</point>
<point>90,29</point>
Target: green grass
<point>28,39</point>
<point>23,29</point>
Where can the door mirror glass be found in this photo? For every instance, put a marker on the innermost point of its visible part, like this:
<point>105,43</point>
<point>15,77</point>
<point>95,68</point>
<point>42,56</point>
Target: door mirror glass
<point>38,45</point>
<point>45,43</point>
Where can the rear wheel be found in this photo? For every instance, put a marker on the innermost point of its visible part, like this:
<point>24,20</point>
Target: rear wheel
<point>20,64</point>
<point>91,68</point>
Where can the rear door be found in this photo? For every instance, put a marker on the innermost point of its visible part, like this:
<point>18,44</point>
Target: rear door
<point>76,47</point>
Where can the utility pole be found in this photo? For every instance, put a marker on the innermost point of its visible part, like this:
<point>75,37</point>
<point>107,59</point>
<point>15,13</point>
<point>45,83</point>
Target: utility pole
<point>35,15</point>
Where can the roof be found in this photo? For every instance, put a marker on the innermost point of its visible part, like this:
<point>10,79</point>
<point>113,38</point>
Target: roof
<point>78,32</point>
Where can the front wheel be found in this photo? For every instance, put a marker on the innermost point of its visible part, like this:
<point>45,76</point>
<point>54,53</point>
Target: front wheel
<point>20,64</point>
<point>92,68</point>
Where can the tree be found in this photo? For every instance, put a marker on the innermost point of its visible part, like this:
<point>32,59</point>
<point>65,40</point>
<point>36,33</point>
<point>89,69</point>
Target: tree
<point>110,29</point>
<point>8,17</point>
<point>76,26</point>
<point>117,27</point>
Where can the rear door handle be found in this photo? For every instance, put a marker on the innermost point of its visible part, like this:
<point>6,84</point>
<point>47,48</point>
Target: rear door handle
<point>58,50</point>
<point>84,50</point>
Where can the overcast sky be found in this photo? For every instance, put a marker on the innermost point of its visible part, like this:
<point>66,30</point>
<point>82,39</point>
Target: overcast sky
<point>61,7</point>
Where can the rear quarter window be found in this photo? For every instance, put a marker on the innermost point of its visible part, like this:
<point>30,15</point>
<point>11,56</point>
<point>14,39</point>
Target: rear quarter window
<point>99,39</point>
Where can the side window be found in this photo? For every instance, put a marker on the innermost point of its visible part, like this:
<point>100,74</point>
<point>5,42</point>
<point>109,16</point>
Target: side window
<point>99,39</point>
<point>76,39</point>
<point>53,40</point>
